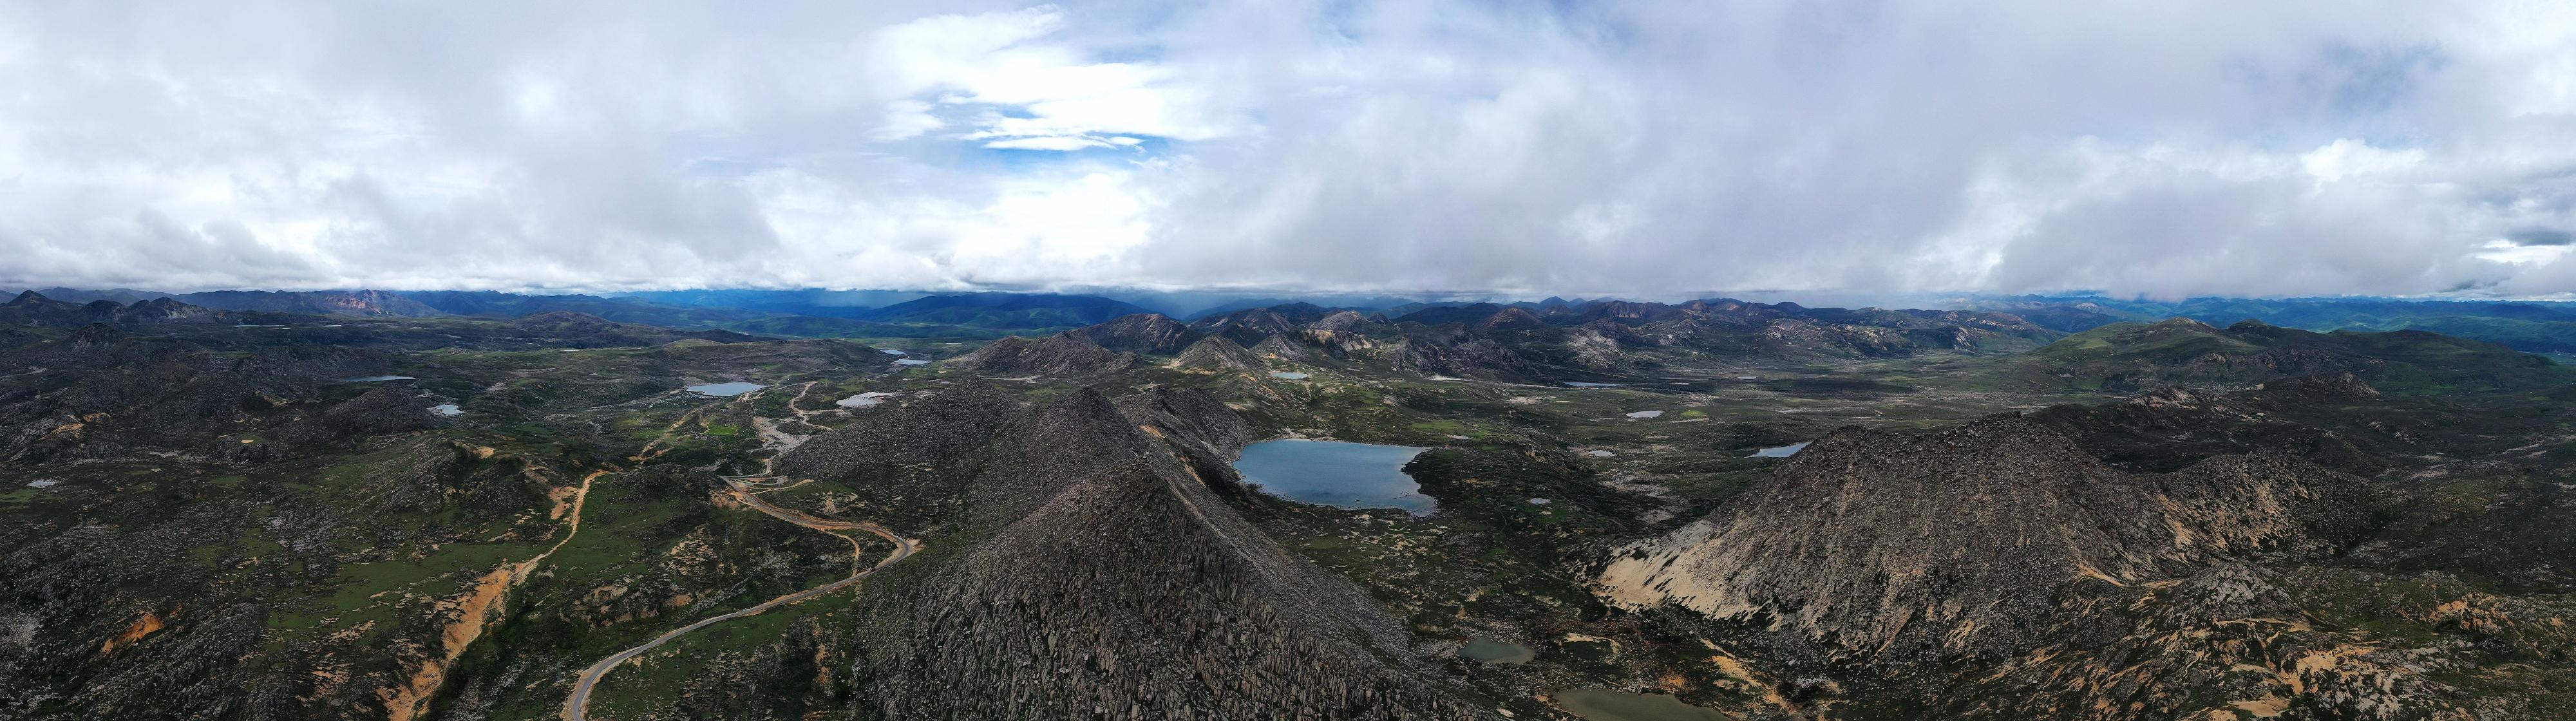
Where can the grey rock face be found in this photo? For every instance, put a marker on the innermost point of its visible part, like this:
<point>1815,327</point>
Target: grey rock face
<point>1873,541</point>
<point>1099,574</point>
<point>1067,353</point>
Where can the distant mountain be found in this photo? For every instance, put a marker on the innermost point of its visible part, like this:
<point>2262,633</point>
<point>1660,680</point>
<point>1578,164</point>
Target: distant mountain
<point>1066,353</point>
<point>1005,310</point>
<point>315,302</point>
<point>1106,522</point>
<point>122,296</point>
<point>1438,314</point>
<point>2534,326</point>
<point>308,302</point>
<point>1360,303</point>
<point>1149,333</point>
<point>35,309</point>
<point>622,310</point>
<point>1983,549</point>
<point>2186,352</point>
<point>811,301</point>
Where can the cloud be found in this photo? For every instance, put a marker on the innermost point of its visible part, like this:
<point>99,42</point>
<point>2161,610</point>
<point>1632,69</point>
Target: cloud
<point>1649,149</point>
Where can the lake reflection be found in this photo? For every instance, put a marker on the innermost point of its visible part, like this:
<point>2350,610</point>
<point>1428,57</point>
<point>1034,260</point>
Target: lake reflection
<point>725,389</point>
<point>1780,451</point>
<point>1337,474</point>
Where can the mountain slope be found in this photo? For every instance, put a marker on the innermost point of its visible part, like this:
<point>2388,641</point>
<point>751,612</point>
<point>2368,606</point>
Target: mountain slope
<point>1147,333</point>
<point>1996,571</point>
<point>1067,353</point>
<point>1005,310</point>
<point>1096,573</point>
<point>1215,353</point>
<point>1867,537</point>
<point>2190,353</point>
<point>31,308</point>
<point>317,302</point>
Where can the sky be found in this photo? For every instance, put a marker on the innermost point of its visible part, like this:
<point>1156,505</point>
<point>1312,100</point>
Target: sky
<point>1646,149</point>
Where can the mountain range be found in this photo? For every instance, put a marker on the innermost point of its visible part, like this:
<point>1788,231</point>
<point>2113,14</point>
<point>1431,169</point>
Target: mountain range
<point>1029,506</point>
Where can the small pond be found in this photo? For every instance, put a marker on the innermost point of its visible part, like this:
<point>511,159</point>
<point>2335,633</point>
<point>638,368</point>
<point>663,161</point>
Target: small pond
<point>912,362</point>
<point>1780,451</point>
<point>1605,705</point>
<point>1288,375</point>
<point>447,409</point>
<point>891,351</point>
<point>1647,414</point>
<point>376,379</point>
<point>864,400</point>
<point>1486,650</point>
<point>721,390</point>
<point>1335,473</point>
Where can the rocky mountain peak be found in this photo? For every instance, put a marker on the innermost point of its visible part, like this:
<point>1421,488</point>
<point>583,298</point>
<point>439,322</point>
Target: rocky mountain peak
<point>1340,321</point>
<point>1151,333</point>
<point>96,336</point>
<point>1217,353</point>
<point>1868,539</point>
<point>1509,319</point>
<point>1068,353</point>
<point>2341,386</point>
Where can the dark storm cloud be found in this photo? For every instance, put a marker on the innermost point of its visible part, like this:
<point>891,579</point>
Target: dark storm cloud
<point>1641,149</point>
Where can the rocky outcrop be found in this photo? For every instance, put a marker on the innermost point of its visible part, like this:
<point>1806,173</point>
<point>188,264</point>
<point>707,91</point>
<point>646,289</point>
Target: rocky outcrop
<point>1281,347</point>
<point>1246,327</point>
<point>1067,353</point>
<point>930,430</point>
<point>1870,541</point>
<point>571,329</point>
<point>1460,353</point>
<point>1100,575</point>
<point>1147,333</point>
<point>1341,321</point>
<point>1508,319</point>
<point>1215,353</point>
<point>32,308</point>
<point>380,411</point>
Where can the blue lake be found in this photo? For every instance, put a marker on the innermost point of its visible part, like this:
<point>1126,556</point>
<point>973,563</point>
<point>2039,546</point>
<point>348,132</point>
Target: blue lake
<point>1486,650</point>
<point>1335,473</point>
<point>725,389</point>
<point>1605,705</point>
<point>1780,451</point>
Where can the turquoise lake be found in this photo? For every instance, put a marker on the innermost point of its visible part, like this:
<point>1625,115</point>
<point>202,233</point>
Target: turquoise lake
<point>725,389</point>
<point>1335,473</point>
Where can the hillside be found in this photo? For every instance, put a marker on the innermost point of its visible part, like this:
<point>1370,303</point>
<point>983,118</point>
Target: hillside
<point>1998,550</point>
<point>2529,326</point>
<point>1067,353</point>
<point>1098,546</point>
<point>2186,352</point>
<point>1004,310</point>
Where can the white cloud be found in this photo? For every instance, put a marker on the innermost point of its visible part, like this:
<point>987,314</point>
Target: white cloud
<point>2509,252</point>
<point>1644,149</point>
<point>2348,157</point>
<point>1054,93</point>
<point>1054,142</point>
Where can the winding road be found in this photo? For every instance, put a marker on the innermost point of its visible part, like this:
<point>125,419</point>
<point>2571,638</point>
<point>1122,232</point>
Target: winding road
<point>741,488</point>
